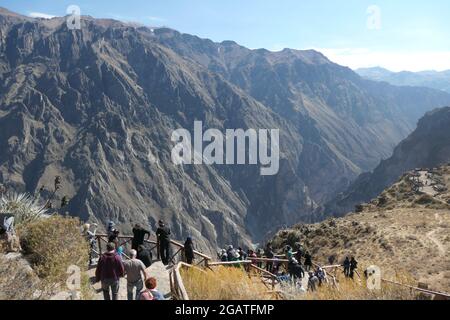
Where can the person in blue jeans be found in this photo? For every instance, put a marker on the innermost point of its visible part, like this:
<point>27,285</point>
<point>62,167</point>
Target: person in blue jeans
<point>135,271</point>
<point>109,271</point>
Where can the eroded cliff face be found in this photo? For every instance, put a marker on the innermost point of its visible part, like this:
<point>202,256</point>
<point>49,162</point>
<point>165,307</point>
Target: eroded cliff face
<point>98,105</point>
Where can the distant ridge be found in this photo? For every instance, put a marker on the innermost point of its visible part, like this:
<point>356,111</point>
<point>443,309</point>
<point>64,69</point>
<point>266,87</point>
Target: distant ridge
<point>431,79</point>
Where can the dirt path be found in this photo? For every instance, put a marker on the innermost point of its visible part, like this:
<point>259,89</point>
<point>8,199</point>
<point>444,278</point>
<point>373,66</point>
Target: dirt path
<point>431,236</point>
<point>156,270</point>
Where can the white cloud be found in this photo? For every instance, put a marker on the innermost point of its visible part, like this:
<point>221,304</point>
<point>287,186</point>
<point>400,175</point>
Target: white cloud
<point>41,15</point>
<point>392,60</point>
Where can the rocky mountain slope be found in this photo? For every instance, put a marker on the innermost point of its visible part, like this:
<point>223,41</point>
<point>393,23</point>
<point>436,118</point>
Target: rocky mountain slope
<point>404,231</point>
<point>428,146</point>
<point>337,113</point>
<point>97,106</point>
<point>430,79</point>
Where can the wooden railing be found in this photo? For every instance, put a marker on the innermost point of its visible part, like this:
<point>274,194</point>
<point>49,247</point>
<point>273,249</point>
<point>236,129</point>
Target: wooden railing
<point>200,258</point>
<point>179,291</point>
<point>177,287</point>
<point>442,295</point>
<point>332,271</point>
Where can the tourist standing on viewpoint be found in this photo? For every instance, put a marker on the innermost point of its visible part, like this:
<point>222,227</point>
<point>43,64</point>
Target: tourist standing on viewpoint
<point>139,234</point>
<point>109,271</point>
<point>135,271</point>
<point>163,235</point>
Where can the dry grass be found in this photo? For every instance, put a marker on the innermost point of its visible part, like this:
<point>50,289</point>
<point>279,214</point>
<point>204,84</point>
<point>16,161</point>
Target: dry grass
<point>52,245</point>
<point>228,283</point>
<point>224,283</point>
<point>348,289</point>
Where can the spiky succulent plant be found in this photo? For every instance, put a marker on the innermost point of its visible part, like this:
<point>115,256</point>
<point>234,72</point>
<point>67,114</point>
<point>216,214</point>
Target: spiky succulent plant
<point>23,206</point>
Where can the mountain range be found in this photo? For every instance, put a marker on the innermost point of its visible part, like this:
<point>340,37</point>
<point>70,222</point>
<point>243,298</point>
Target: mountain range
<point>97,106</point>
<point>439,80</point>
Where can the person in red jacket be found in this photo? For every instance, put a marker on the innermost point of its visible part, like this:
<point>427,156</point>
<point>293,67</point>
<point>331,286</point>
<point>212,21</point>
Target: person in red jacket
<point>109,271</point>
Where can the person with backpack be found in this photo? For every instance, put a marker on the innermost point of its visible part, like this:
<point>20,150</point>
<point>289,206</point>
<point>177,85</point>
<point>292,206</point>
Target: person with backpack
<point>135,271</point>
<point>295,269</point>
<point>109,271</point>
<point>139,234</point>
<point>163,236</point>
<point>189,251</point>
<point>150,292</point>
<point>145,255</point>
<point>113,234</point>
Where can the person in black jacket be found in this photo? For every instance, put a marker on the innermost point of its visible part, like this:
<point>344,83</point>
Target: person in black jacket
<point>139,234</point>
<point>163,235</point>
<point>353,267</point>
<point>308,261</point>
<point>347,267</point>
<point>145,255</point>
<point>269,255</point>
<point>189,251</point>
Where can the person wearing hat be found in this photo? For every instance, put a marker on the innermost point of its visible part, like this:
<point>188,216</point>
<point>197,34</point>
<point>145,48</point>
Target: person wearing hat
<point>163,235</point>
<point>113,234</point>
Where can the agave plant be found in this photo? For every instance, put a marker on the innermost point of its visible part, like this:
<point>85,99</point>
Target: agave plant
<point>23,206</point>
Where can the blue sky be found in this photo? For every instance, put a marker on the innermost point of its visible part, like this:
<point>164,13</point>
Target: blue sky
<point>396,34</point>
